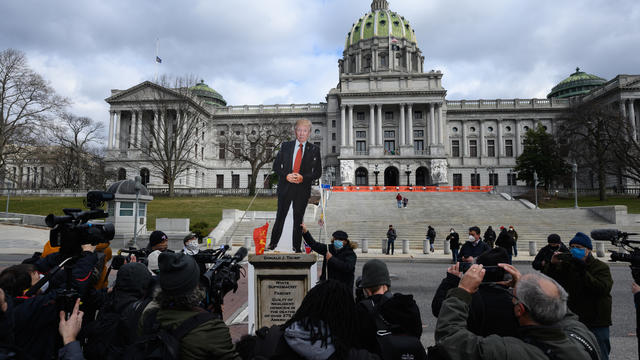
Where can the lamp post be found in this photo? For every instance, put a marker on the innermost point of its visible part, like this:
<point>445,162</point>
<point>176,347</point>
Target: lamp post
<point>574,168</point>
<point>376,171</point>
<point>138,187</point>
<point>535,186</point>
<point>408,172</point>
<point>9,186</point>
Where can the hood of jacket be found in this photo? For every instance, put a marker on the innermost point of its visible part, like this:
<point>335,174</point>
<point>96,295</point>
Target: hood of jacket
<point>132,283</point>
<point>299,339</point>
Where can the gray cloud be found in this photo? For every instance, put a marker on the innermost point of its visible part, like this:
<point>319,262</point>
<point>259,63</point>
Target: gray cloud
<point>287,50</point>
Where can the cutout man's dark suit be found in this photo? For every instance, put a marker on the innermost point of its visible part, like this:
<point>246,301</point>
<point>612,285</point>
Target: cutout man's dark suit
<point>310,169</point>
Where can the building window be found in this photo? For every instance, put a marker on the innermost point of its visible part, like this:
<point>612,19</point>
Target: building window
<point>333,123</point>
<point>418,133</point>
<point>333,136</point>
<point>493,179</point>
<point>361,146</point>
<point>455,148</point>
<point>221,152</point>
<point>390,147</point>
<point>333,149</point>
<point>235,181</point>
<point>359,116</point>
<point>248,180</point>
<point>388,115</point>
<point>417,115</point>
<point>457,179</point>
<point>473,148</point>
<point>389,134</point>
<point>126,208</point>
<point>475,179</point>
<point>384,60</point>
<point>491,148</point>
<point>418,145</point>
<point>508,147</point>
<point>220,181</point>
<point>122,174</point>
<point>361,134</point>
<point>144,176</point>
<point>511,179</point>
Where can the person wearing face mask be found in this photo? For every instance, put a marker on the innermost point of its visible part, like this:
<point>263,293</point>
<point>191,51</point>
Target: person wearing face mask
<point>473,247</point>
<point>544,255</point>
<point>454,244</point>
<point>190,243</point>
<point>339,258</point>
<point>588,282</point>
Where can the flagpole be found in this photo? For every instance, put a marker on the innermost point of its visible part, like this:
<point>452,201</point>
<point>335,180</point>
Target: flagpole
<point>156,60</point>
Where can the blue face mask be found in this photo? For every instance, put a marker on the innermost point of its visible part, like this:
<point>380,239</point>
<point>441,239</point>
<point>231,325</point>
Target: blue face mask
<point>578,253</point>
<point>337,244</point>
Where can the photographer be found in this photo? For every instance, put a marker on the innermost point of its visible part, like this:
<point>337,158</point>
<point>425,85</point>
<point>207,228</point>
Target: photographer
<point>588,282</point>
<point>158,241</point>
<point>544,255</point>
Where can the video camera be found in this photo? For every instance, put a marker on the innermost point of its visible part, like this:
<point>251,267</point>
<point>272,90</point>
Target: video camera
<point>71,231</point>
<point>621,239</point>
<point>222,276</point>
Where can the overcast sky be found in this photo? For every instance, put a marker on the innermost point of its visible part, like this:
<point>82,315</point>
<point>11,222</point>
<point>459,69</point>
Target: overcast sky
<point>287,51</point>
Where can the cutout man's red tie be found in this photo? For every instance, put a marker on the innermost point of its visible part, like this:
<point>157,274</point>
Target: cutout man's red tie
<point>298,161</point>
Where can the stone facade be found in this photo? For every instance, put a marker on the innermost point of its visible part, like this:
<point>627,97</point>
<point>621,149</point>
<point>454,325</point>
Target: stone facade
<point>386,115</point>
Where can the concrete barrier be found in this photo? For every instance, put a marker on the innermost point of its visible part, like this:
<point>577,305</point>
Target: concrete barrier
<point>365,246</point>
<point>600,248</point>
<point>247,243</point>
<point>532,248</point>
<point>425,246</point>
<point>447,249</point>
<point>405,246</point>
<point>383,246</point>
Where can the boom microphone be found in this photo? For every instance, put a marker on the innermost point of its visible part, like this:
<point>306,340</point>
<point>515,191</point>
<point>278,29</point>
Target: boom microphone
<point>605,234</point>
<point>240,254</point>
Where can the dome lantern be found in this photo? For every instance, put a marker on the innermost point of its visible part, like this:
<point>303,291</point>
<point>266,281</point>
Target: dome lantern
<point>379,5</point>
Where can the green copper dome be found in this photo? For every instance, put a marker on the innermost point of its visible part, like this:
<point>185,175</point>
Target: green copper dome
<point>579,83</point>
<point>380,22</point>
<point>207,94</point>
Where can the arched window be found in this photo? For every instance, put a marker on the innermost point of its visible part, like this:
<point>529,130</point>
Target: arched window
<point>144,176</point>
<point>362,177</point>
<point>122,174</point>
<point>422,176</point>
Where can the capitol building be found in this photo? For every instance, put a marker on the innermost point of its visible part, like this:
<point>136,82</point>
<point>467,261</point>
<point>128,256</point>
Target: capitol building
<point>387,122</point>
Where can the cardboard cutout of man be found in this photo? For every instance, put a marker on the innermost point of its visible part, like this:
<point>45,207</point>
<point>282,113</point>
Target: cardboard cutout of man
<point>297,164</point>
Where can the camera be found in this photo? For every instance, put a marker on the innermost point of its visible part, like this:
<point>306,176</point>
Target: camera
<point>621,239</point>
<point>222,277</point>
<point>492,273</point>
<point>71,231</point>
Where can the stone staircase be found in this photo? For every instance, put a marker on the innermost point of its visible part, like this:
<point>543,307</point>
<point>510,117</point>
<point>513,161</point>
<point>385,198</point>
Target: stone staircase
<point>368,215</point>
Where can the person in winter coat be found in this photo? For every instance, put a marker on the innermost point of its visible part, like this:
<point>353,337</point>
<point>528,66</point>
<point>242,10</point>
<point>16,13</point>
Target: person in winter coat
<point>339,258</point>
<point>514,235</point>
<point>490,311</point>
<point>473,247</point>
<point>431,236</point>
<point>324,327</point>
<point>399,200</point>
<point>490,236</point>
<point>401,311</point>
<point>391,239</point>
<point>506,242</point>
<point>546,329</point>
<point>588,282</point>
<point>177,301</point>
<point>544,255</point>
<point>454,244</point>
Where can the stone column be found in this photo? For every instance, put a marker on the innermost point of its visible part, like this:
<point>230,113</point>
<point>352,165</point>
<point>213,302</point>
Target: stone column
<point>133,135</point>
<point>440,125</point>
<point>410,123</point>
<point>139,134</point>
<point>118,125</point>
<point>431,124</point>
<point>156,128</point>
<point>632,119</point>
<point>499,144</point>
<point>372,125</point>
<point>463,145</point>
<point>480,139</point>
<point>110,141</point>
<point>401,128</point>
<point>342,126</point>
<point>517,140</point>
<point>379,124</point>
<point>350,128</point>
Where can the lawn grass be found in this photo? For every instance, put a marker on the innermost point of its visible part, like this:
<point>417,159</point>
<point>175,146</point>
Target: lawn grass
<point>632,203</point>
<point>207,209</point>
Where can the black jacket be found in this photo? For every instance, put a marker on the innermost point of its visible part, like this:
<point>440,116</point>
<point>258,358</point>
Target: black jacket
<point>454,241</point>
<point>431,234</point>
<point>490,236</point>
<point>545,255</point>
<point>311,168</point>
<point>491,310</point>
<point>400,310</point>
<point>505,241</point>
<point>474,251</point>
<point>342,264</point>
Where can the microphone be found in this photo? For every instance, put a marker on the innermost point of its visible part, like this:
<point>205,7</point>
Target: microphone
<point>605,234</point>
<point>240,254</point>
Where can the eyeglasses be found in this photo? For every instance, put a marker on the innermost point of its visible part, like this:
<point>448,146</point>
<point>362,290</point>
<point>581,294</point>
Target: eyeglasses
<point>518,301</point>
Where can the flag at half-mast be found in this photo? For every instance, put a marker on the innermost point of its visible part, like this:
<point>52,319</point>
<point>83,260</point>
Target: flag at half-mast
<point>158,60</point>
<point>260,238</point>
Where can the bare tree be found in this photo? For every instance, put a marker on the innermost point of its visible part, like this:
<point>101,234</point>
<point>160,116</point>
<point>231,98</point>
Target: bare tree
<point>27,102</point>
<point>256,144</point>
<point>170,141</point>
<point>625,148</point>
<point>77,161</point>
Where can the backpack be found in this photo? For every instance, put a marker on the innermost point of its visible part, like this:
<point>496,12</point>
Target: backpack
<point>159,343</point>
<point>393,345</point>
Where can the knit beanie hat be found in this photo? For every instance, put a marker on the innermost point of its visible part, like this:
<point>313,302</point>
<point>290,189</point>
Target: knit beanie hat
<point>133,278</point>
<point>152,261</point>
<point>375,273</point>
<point>179,273</point>
<point>156,238</point>
<point>340,235</point>
<point>582,239</point>
<point>554,239</point>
